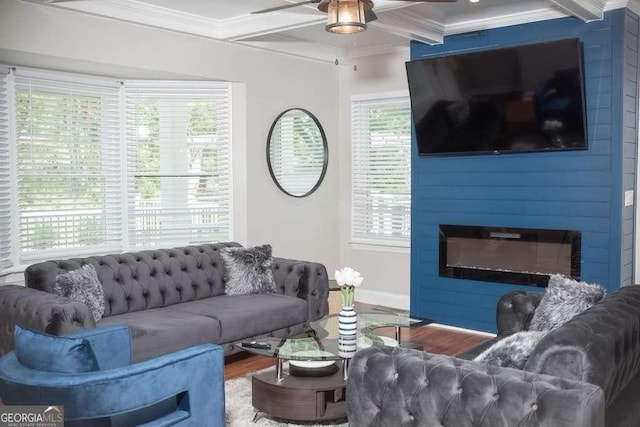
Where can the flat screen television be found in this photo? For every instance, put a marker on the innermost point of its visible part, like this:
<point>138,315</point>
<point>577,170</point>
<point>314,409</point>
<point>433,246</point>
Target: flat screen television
<point>516,99</point>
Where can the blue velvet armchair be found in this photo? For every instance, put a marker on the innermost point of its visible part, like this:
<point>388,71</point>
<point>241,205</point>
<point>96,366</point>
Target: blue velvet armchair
<point>182,388</point>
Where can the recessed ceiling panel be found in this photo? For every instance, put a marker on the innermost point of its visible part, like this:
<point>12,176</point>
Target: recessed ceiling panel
<point>216,9</point>
<point>372,37</point>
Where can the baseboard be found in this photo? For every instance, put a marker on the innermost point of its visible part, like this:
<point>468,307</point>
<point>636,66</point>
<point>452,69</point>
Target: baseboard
<point>382,298</point>
<point>469,331</point>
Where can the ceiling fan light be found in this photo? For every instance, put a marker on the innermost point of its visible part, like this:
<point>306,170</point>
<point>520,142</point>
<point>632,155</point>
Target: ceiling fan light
<point>345,16</point>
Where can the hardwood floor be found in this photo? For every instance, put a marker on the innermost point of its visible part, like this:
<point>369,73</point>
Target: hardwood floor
<point>433,339</point>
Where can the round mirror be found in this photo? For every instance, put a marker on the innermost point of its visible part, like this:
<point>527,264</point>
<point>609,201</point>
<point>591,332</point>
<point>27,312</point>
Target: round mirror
<point>297,152</point>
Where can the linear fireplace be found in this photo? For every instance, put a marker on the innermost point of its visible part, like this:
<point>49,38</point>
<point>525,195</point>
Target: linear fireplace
<point>522,256</point>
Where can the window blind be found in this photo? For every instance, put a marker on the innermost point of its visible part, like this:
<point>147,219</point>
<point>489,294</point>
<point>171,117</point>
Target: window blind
<point>381,170</point>
<point>68,150</point>
<point>5,186</point>
<point>179,163</point>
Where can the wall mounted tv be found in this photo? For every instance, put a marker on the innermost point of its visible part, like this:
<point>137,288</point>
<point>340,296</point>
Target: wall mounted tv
<point>517,99</point>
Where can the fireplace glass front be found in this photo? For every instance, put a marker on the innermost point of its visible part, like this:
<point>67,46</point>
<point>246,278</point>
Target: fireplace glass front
<point>523,256</point>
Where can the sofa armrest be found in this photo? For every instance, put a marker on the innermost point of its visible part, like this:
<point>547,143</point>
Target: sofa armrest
<point>399,386</point>
<point>515,311</point>
<point>600,346</point>
<point>194,375</point>
<point>39,310</point>
<point>306,280</point>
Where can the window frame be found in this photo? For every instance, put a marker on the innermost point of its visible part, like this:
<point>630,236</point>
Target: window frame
<point>168,95</point>
<point>105,93</point>
<point>375,243</point>
<point>125,179</point>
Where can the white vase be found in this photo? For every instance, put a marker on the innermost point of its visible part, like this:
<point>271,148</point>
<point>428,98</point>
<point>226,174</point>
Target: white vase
<point>347,321</point>
<point>347,346</point>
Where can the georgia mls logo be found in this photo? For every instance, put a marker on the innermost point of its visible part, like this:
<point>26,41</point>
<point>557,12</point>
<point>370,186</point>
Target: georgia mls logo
<point>31,416</point>
<point>54,413</point>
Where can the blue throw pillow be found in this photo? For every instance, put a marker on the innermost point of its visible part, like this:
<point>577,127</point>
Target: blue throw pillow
<point>50,353</point>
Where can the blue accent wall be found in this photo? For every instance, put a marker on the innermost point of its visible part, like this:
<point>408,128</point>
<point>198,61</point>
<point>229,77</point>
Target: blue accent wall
<point>573,190</point>
<point>629,141</point>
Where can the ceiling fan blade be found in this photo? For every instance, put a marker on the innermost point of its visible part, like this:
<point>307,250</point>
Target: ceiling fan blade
<point>286,6</point>
<point>369,15</point>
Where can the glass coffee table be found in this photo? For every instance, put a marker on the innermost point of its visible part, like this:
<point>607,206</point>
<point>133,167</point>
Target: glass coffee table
<point>314,389</point>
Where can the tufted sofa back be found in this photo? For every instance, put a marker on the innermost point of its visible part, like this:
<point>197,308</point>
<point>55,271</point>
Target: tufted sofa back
<point>147,279</point>
<point>399,386</point>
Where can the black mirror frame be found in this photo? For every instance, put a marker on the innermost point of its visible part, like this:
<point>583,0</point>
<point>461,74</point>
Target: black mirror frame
<point>325,147</point>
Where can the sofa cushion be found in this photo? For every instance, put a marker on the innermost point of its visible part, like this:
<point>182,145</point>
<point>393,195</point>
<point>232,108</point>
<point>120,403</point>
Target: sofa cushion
<point>512,351</point>
<point>243,316</point>
<point>563,299</point>
<point>82,284</point>
<point>50,353</point>
<point>248,270</point>
<point>160,331</point>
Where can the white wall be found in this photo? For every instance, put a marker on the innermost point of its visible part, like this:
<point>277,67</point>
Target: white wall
<point>305,228</point>
<point>386,274</point>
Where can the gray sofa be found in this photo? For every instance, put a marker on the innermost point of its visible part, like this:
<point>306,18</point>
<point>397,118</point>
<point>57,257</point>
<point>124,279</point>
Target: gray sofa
<point>171,299</point>
<point>585,373</point>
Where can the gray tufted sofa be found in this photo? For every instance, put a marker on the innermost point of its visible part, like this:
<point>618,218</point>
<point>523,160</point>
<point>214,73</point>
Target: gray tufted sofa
<point>585,373</point>
<point>170,298</point>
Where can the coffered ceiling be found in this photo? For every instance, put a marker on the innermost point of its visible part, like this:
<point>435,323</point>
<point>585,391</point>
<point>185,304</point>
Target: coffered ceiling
<point>300,30</point>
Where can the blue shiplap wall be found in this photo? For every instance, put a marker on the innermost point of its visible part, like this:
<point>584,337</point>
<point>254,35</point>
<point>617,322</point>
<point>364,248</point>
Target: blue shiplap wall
<point>577,190</point>
<point>629,141</point>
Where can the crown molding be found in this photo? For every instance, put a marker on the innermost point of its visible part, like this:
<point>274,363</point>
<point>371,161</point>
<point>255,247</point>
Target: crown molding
<point>586,10</point>
<point>379,50</point>
<point>411,26</point>
<point>235,28</point>
<point>503,21</point>
<point>142,13</point>
<point>632,5</point>
<point>392,18</point>
<point>298,48</point>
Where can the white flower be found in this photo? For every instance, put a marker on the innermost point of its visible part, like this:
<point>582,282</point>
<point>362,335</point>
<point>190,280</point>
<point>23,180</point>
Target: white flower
<point>339,278</point>
<point>348,277</point>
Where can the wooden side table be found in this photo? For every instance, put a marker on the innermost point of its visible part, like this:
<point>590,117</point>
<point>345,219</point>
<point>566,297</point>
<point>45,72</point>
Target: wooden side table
<point>299,398</point>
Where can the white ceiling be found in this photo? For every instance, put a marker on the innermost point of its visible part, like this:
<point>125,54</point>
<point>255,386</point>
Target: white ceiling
<point>300,30</point>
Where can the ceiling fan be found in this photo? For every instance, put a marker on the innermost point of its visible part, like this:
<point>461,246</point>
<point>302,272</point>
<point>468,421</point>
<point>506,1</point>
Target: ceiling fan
<point>345,16</point>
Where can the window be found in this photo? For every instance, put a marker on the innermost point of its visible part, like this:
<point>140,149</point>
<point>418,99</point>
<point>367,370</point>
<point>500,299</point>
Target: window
<point>178,145</point>
<point>5,162</point>
<point>67,142</point>
<point>381,170</point>
<point>92,165</point>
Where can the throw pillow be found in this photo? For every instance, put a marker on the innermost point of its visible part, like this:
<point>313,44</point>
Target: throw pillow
<point>512,351</point>
<point>83,285</point>
<point>248,270</point>
<point>563,299</point>
<point>50,353</point>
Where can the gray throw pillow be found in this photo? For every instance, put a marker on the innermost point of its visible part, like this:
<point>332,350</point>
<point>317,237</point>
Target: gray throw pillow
<point>512,351</point>
<point>564,299</point>
<point>82,284</point>
<point>248,270</point>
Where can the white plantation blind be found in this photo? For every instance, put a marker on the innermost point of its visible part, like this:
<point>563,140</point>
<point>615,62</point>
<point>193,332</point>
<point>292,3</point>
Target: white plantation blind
<point>381,170</point>
<point>5,186</point>
<point>68,150</point>
<point>297,152</point>
<point>179,163</point>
